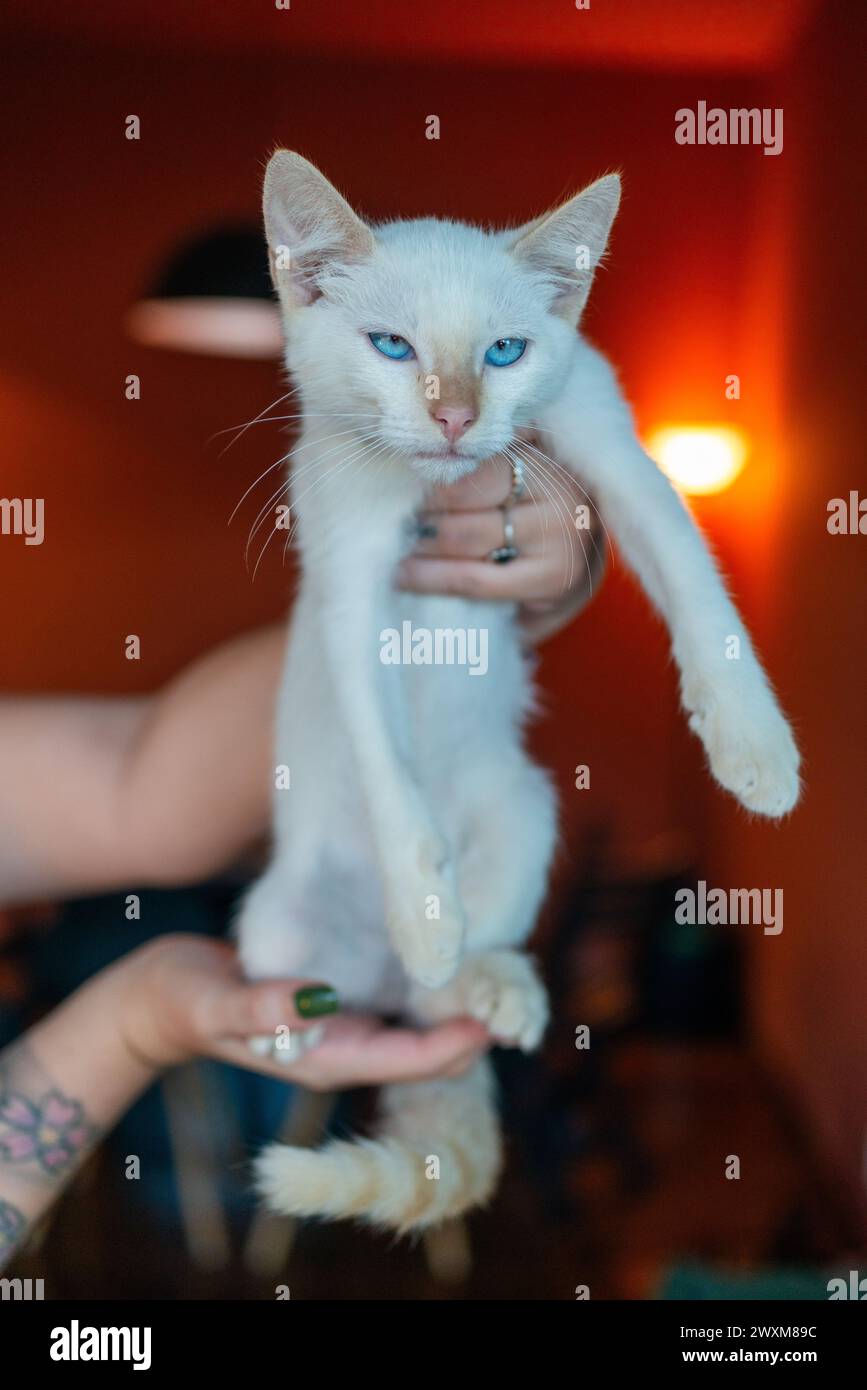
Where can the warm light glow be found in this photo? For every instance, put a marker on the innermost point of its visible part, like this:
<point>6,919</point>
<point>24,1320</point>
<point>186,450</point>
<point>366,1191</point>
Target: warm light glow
<point>699,458</point>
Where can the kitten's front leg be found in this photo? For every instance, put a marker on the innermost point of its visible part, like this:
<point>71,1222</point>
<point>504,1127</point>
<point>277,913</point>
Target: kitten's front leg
<point>351,578</point>
<point>724,689</point>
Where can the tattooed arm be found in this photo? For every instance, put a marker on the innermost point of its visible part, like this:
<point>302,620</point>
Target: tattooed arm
<point>73,1075</point>
<point>60,1086</point>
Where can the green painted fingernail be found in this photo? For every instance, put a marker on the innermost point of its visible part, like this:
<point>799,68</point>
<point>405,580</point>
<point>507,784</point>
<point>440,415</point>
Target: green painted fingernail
<point>314,1000</point>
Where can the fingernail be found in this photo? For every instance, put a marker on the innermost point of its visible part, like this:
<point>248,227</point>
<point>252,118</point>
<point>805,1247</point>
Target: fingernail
<point>314,1000</point>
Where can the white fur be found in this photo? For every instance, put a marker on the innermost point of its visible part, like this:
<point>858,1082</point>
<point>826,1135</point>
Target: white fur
<point>410,784</point>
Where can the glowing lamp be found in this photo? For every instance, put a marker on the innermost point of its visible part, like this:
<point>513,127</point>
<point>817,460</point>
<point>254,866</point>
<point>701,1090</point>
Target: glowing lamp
<point>699,459</point>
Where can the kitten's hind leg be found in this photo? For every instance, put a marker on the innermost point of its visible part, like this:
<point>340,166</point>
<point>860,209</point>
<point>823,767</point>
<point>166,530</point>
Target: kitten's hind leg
<point>270,942</point>
<point>509,825</point>
<point>499,988</point>
<point>509,830</point>
<point>273,944</point>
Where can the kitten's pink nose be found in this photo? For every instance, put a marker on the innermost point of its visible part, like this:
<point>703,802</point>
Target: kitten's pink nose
<point>454,420</point>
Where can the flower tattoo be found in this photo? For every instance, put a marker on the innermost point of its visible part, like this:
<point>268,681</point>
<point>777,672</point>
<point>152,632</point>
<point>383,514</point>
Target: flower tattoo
<point>52,1132</point>
<point>44,1137</point>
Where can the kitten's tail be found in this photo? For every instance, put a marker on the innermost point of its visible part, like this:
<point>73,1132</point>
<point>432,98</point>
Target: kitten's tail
<point>438,1153</point>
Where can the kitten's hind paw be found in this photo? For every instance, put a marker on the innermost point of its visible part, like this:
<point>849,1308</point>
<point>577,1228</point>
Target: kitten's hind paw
<point>502,991</point>
<point>499,988</point>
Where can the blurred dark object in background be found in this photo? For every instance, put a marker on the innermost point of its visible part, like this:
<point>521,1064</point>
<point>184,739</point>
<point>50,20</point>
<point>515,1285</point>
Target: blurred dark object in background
<point>213,296</point>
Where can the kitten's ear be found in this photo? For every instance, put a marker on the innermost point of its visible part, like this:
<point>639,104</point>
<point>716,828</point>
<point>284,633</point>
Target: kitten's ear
<point>569,243</point>
<point>308,226</point>
<point>512,235</point>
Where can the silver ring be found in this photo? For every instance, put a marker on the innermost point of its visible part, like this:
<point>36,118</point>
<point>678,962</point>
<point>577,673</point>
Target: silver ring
<point>508,551</point>
<point>519,485</point>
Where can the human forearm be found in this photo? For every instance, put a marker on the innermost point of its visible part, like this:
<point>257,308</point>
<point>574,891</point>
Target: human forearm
<point>98,794</point>
<point>60,761</point>
<point>61,1086</point>
<point>195,791</point>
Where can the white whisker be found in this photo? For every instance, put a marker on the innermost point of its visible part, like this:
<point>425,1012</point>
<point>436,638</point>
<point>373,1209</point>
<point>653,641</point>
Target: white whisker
<point>547,486</point>
<point>572,478</point>
<point>296,473</point>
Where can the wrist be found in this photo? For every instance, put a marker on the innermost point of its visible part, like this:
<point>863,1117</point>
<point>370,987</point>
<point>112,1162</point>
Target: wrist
<point>124,997</point>
<point>540,620</point>
<point>87,1051</point>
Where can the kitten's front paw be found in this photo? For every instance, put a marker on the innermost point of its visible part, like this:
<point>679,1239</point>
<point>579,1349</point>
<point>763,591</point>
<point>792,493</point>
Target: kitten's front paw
<point>424,917</point>
<point>749,743</point>
<point>429,950</point>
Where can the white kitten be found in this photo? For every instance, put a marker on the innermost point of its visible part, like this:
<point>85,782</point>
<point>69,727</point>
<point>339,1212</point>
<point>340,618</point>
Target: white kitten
<point>412,851</point>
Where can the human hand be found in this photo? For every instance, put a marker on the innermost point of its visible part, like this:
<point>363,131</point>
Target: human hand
<point>185,996</point>
<point>558,568</point>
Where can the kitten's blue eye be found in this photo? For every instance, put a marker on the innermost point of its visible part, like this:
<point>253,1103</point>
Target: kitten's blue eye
<point>505,351</point>
<point>391,345</point>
